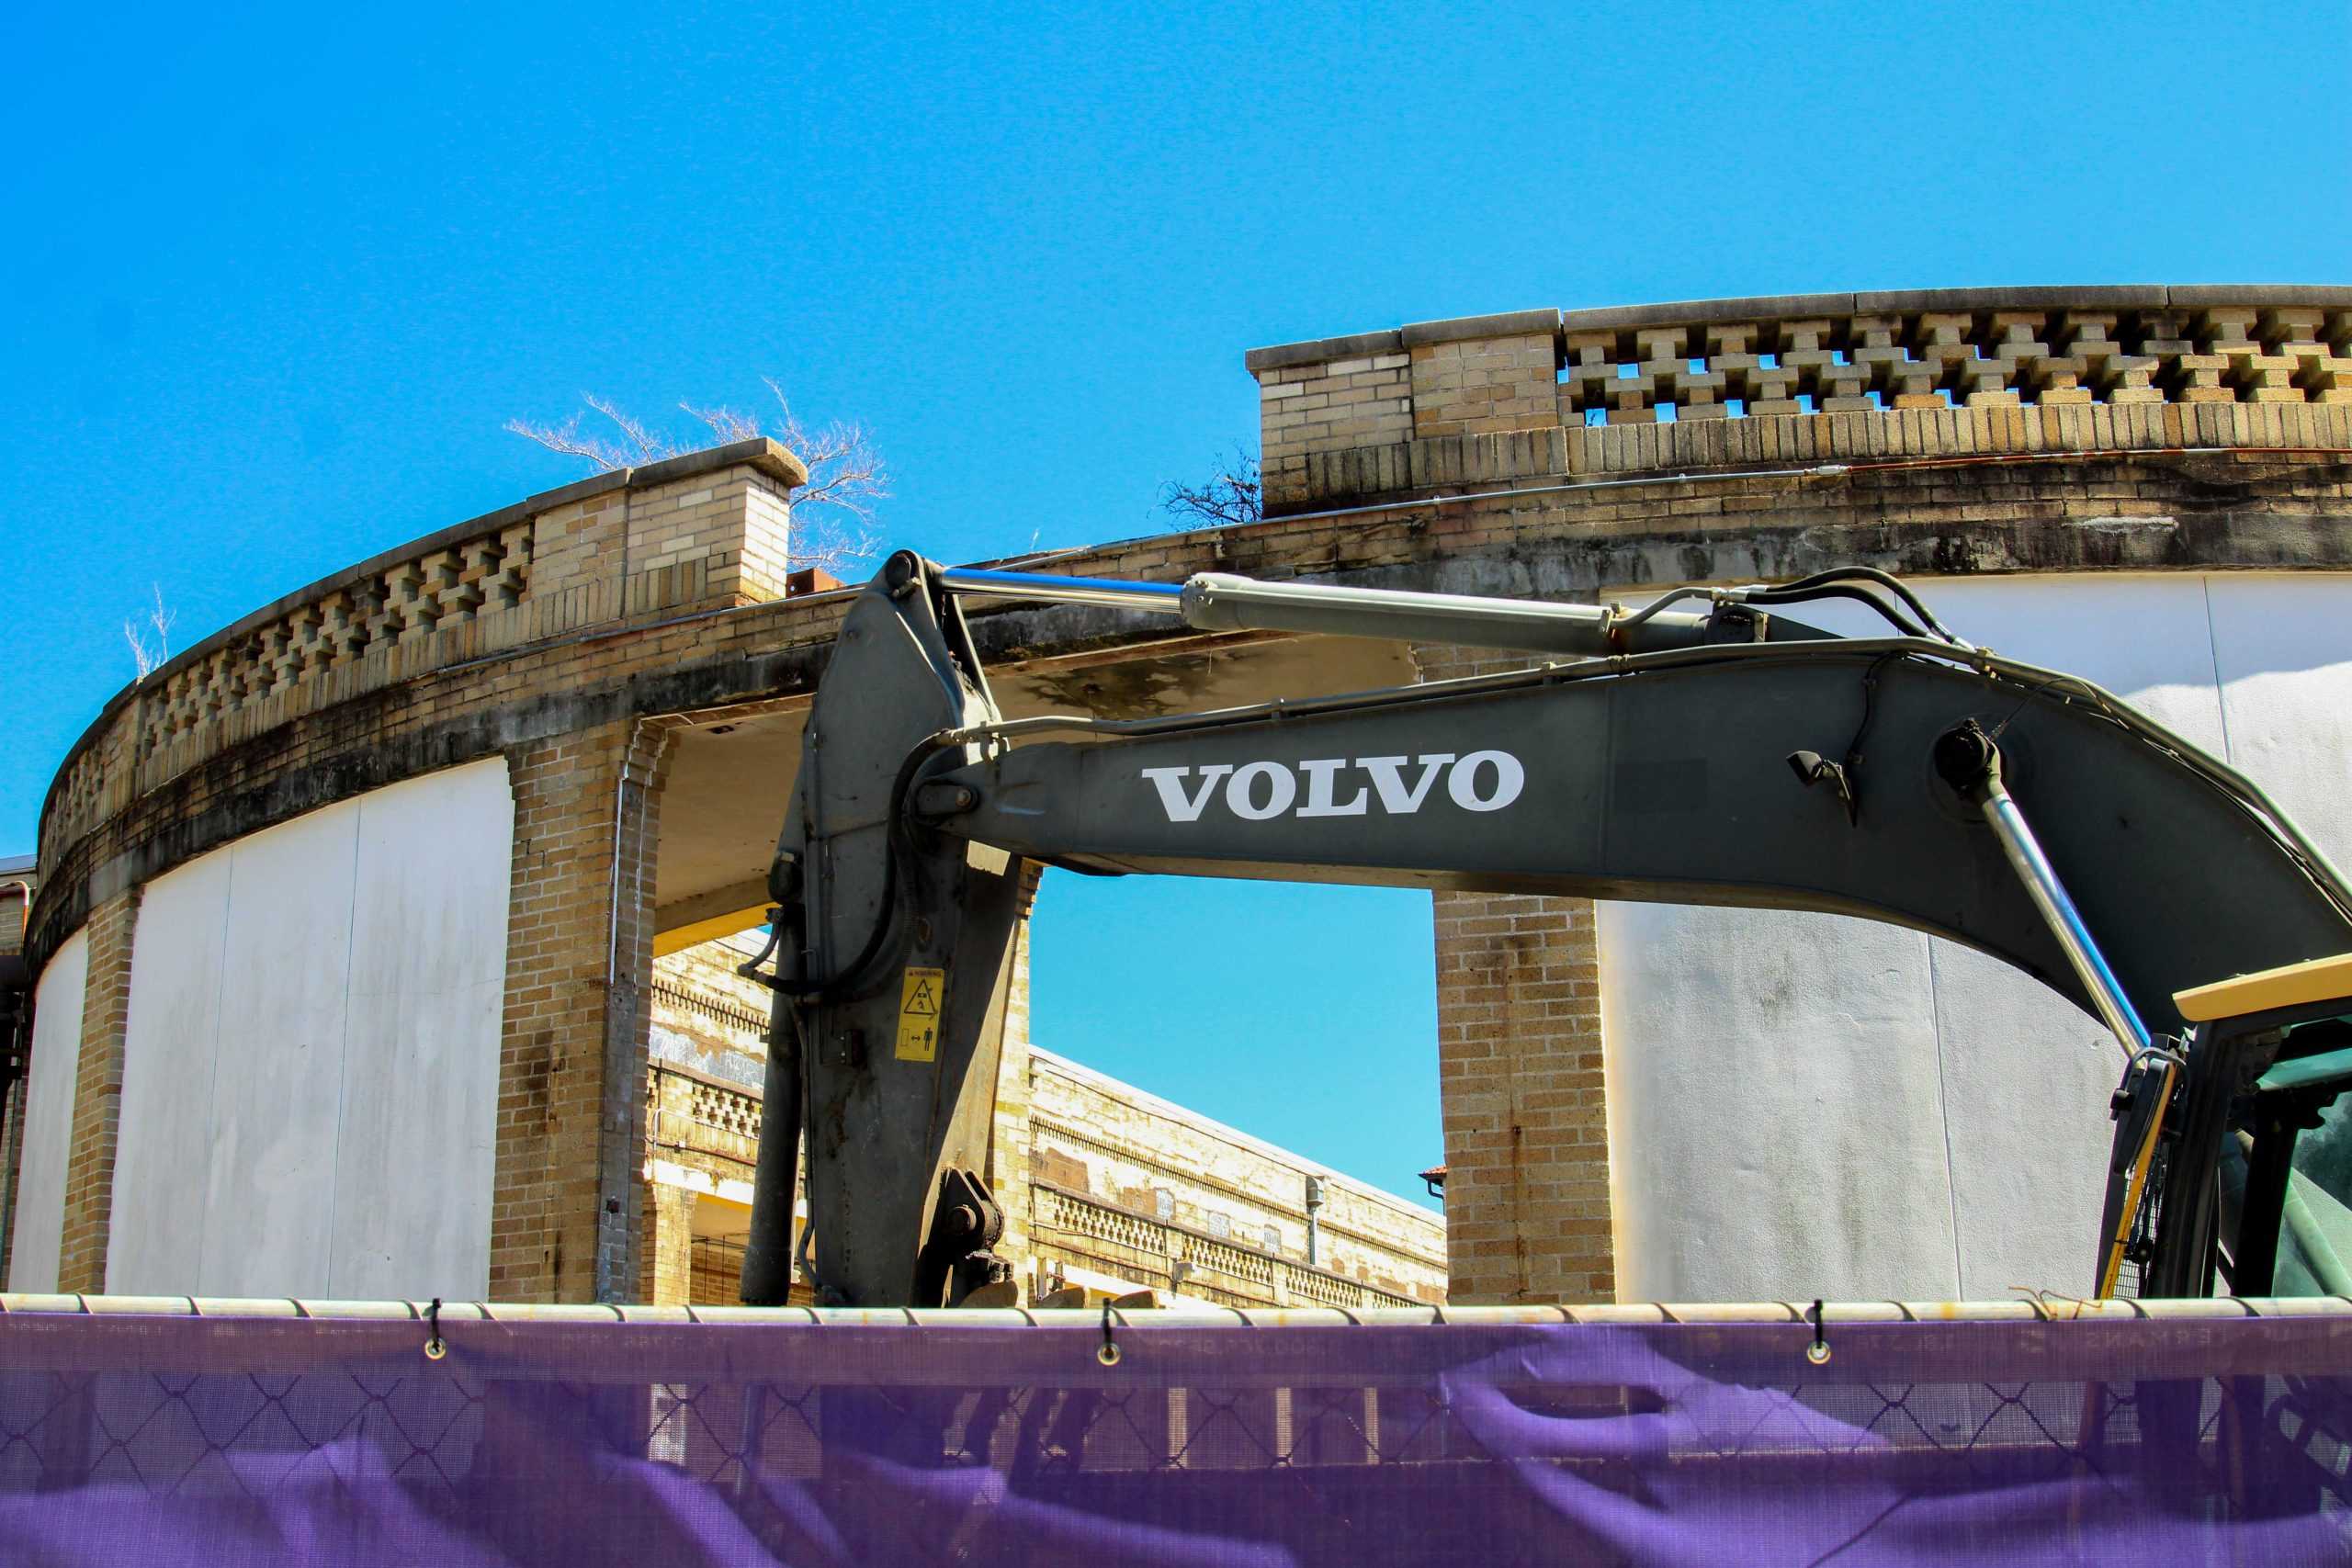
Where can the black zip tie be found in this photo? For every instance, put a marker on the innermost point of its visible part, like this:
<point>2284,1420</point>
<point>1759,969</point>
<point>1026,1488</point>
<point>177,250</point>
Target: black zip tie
<point>1109,1354</point>
<point>1818,1351</point>
<point>436,1346</point>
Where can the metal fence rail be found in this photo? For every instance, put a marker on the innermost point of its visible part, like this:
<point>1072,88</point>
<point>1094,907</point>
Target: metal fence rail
<point>177,1429</point>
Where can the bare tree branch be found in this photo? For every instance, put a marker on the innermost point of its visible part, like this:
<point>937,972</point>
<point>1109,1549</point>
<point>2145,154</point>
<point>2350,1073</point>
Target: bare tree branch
<point>831,512</point>
<point>151,656</point>
<point>1233,494</point>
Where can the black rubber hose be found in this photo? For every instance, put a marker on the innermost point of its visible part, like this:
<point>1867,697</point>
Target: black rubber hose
<point>1798,594</point>
<point>1887,581</point>
<point>892,867</point>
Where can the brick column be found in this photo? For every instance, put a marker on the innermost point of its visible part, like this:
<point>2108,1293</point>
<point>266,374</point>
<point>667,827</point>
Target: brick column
<point>568,1222</point>
<point>14,1155</point>
<point>1527,1200</point>
<point>668,1268</point>
<point>1486,375</point>
<point>97,1097</point>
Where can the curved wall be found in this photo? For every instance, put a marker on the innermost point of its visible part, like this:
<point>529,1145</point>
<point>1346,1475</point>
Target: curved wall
<point>310,1065</point>
<point>1806,1105</point>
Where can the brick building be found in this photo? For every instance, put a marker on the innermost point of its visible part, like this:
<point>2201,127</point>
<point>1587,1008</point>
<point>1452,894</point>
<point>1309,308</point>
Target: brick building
<point>1110,1189</point>
<point>538,728</point>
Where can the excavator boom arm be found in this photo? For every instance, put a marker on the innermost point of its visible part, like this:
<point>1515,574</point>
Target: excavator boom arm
<point>1729,757</point>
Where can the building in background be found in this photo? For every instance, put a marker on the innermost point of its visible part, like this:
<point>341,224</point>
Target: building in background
<point>1108,1190</point>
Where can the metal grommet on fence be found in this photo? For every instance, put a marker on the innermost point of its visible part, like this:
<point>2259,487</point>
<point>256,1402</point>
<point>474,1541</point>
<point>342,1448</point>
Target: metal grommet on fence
<point>435,1347</point>
<point>1109,1354</point>
<point>1818,1351</point>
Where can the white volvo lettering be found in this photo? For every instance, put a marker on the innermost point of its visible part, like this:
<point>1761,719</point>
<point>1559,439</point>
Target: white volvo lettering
<point>1388,778</point>
<point>1280,790</point>
<point>1462,783</point>
<point>1170,783</point>
<point>1320,792</point>
<point>1258,792</point>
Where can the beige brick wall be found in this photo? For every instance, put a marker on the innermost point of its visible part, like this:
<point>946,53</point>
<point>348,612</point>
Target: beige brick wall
<point>1364,401</point>
<point>1486,385</point>
<point>567,1221</point>
<point>728,533</point>
<point>97,1098</point>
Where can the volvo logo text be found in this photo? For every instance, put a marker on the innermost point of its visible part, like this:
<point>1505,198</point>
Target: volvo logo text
<point>1340,786</point>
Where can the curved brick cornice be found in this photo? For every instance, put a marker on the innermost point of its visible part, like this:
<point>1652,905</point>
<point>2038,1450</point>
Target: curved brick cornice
<point>706,530</point>
<point>1734,383</point>
<point>660,592</point>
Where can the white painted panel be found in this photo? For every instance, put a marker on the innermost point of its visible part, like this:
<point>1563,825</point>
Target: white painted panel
<point>1699,1153</point>
<point>2283,645</point>
<point>278,1081</point>
<point>164,1135</point>
<point>1772,1135</point>
<point>311,1077</point>
<point>48,1117</point>
<point>428,980</point>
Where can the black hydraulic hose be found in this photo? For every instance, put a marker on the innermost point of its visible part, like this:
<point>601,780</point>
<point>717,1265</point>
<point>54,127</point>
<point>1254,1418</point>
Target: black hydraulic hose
<point>1795,594</point>
<point>893,865</point>
<point>1886,580</point>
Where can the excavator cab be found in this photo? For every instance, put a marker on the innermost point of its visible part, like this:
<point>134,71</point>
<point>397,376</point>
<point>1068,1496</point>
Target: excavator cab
<point>2251,1183</point>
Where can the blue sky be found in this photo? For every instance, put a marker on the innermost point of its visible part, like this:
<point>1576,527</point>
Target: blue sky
<point>275,277</point>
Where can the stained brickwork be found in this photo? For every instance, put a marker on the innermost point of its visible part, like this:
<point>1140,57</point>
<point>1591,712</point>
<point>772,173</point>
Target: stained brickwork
<point>97,1098</point>
<point>568,1219</point>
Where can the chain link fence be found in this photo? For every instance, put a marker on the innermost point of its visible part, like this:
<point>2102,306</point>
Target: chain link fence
<point>842,1438</point>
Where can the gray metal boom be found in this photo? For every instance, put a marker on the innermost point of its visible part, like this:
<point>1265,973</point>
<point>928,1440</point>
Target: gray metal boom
<point>1724,766</point>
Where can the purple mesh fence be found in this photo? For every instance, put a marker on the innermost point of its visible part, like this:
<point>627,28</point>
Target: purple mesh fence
<point>224,1441</point>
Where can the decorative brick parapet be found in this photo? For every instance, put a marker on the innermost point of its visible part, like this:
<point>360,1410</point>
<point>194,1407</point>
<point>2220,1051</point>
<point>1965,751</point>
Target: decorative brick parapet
<point>705,531</point>
<point>1827,378</point>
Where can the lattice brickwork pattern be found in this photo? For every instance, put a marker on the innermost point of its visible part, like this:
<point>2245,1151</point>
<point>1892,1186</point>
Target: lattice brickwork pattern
<point>2105,369</point>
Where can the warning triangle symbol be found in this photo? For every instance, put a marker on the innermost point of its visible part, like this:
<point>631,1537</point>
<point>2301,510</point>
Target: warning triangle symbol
<point>921,1001</point>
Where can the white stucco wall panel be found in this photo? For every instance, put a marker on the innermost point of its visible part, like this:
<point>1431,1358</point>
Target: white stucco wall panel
<point>2282,648</point>
<point>1751,1105</point>
<point>311,1083</point>
<point>1712,1166</point>
<point>171,1044</point>
<point>278,1073</point>
<point>39,1220</point>
<point>427,998</point>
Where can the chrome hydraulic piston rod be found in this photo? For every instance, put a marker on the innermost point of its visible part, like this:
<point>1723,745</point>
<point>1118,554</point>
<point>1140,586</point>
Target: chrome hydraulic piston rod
<point>1222,603</point>
<point>1971,763</point>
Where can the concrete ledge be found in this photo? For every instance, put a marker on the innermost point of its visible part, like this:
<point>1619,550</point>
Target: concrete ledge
<point>1698,313</point>
<point>1322,351</point>
<point>1787,307</point>
<point>1462,329</point>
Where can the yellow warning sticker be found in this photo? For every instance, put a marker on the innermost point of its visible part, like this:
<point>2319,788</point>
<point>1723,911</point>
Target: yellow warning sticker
<point>919,995</point>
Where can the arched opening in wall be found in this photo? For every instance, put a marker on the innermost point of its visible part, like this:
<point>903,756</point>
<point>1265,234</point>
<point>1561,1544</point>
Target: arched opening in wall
<point>1305,1015</point>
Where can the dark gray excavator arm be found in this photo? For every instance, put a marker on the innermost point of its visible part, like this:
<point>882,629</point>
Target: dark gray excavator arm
<point>1725,756</point>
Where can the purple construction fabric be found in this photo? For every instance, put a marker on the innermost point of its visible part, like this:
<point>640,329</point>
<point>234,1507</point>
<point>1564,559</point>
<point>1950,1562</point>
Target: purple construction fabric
<point>226,1442</point>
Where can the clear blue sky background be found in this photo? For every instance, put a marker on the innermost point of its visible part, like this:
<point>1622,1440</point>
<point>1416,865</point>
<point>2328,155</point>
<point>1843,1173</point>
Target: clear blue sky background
<point>273,277</point>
